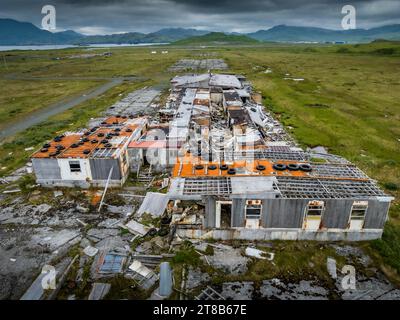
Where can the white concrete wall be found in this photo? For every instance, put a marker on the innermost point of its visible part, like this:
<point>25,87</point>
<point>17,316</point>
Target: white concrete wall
<point>66,173</point>
<point>280,234</point>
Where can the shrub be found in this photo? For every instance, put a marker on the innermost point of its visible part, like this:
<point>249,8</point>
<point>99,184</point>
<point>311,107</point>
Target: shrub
<point>389,246</point>
<point>391,186</point>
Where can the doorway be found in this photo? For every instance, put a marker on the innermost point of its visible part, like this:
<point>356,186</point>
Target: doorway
<point>223,214</point>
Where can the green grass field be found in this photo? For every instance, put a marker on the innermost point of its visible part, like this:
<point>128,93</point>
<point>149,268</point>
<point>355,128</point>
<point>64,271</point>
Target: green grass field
<point>19,98</point>
<point>348,102</point>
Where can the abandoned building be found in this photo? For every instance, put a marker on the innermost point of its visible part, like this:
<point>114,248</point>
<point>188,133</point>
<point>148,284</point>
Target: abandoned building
<point>255,183</point>
<point>234,171</point>
<point>89,158</point>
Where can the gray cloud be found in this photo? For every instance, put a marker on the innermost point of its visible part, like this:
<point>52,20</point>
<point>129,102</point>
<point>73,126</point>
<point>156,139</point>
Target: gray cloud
<point>111,16</point>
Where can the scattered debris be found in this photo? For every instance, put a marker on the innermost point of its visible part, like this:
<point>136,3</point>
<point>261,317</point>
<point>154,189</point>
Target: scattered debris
<point>151,261</point>
<point>237,290</point>
<point>90,251</point>
<point>305,290</point>
<point>209,294</point>
<point>81,222</point>
<point>99,291</point>
<point>196,278</point>
<point>252,252</point>
<point>136,228</point>
<point>145,277</point>
<point>229,260</point>
<point>154,204</point>
<point>57,193</point>
<point>206,64</point>
<point>11,191</point>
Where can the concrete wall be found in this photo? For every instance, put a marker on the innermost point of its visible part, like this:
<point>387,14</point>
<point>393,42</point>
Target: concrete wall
<point>66,174</point>
<point>281,234</point>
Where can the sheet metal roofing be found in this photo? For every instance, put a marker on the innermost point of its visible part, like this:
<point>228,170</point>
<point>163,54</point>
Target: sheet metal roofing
<point>113,133</point>
<point>225,80</point>
<point>213,80</point>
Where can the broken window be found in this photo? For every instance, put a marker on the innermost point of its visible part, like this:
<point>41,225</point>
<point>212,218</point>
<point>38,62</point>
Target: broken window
<point>315,208</point>
<point>359,209</point>
<point>112,263</point>
<point>313,215</point>
<point>75,166</point>
<point>357,215</point>
<point>253,209</point>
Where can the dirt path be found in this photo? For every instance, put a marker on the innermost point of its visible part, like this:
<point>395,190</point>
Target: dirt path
<point>61,106</point>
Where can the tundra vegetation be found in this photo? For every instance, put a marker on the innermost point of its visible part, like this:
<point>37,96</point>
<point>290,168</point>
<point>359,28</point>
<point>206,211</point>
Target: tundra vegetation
<point>343,97</point>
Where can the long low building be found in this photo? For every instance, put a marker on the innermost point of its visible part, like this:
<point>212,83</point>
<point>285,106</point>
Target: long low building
<point>255,184</point>
<point>235,172</point>
<point>91,157</point>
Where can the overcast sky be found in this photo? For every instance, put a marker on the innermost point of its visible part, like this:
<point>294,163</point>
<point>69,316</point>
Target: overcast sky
<point>115,16</point>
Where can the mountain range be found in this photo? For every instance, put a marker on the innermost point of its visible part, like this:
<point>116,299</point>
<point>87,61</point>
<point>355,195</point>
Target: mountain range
<point>13,32</point>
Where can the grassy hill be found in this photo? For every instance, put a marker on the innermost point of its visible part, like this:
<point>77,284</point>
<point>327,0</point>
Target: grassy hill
<point>216,38</point>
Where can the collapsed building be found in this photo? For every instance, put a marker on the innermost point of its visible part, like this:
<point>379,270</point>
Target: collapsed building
<point>235,173</point>
<point>91,157</point>
<point>255,183</point>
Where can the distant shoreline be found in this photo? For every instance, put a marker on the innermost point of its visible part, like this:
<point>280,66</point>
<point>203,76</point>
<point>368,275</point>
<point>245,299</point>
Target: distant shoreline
<point>66,46</point>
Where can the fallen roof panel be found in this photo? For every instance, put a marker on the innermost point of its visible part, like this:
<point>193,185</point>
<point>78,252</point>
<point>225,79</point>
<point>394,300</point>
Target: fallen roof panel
<point>154,204</point>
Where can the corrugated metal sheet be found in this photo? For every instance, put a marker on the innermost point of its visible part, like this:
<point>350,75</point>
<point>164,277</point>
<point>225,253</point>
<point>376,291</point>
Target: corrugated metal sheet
<point>99,291</point>
<point>337,213</point>
<point>154,203</point>
<point>283,213</point>
<point>210,207</point>
<point>46,168</point>
<point>253,186</point>
<point>376,214</point>
<point>100,169</point>
<point>238,213</point>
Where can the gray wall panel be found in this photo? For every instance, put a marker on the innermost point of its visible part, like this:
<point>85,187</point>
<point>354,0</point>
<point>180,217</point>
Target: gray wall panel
<point>283,213</point>
<point>101,169</point>
<point>337,213</point>
<point>376,214</point>
<point>210,207</point>
<point>238,213</point>
<point>45,168</point>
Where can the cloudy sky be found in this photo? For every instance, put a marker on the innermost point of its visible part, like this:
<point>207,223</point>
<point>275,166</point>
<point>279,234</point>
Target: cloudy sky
<point>116,16</point>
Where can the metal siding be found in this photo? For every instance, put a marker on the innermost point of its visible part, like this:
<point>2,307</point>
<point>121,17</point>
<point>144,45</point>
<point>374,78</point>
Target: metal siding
<point>337,213</point>
<point>100,169</point>
<point>283,213</point>
<point>210,212</point>
<point>238,213</point>
<point>46,169</point>
<point>376,214</point>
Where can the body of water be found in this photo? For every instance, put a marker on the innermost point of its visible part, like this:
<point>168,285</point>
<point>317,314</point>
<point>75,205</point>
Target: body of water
<point>58,47</point>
